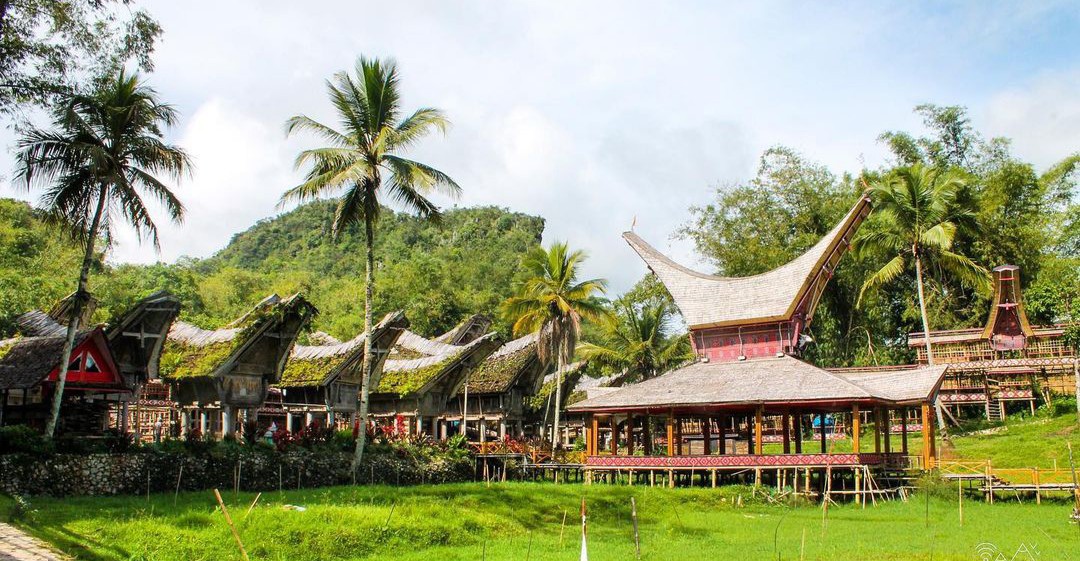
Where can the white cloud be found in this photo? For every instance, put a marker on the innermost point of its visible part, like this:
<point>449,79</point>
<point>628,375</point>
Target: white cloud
<point>1042,118</point>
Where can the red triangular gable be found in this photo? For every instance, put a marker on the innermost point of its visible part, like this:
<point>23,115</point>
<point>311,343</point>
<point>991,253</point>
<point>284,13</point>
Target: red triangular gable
<point>92,364</point>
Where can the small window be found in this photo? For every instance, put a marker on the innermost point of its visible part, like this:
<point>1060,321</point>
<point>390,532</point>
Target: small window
<point>91,364</point>
<point>74,366</point>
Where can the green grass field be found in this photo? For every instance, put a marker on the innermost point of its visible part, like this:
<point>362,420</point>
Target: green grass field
<point>519,521</point>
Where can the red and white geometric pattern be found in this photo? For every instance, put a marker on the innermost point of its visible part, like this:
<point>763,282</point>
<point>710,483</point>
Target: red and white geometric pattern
<point>741,460</point>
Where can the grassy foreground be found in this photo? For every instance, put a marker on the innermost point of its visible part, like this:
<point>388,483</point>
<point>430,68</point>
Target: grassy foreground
<point>523,521</point>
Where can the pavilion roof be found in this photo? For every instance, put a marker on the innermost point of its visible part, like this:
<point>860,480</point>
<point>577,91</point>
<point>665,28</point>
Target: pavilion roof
<point>709,300</point>
<point>777,380</point>
<point>315,365</point>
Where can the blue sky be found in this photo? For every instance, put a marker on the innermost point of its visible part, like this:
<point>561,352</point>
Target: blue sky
<point>590,114</point>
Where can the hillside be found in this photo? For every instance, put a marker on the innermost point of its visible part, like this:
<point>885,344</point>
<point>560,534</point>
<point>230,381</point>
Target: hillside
<point>438,274</point>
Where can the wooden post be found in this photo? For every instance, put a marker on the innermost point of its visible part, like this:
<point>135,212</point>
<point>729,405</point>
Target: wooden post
<point>706,434</point>
<point>903,430</point>
<point>856,427</point>
<point>926,436</point>
<point>678,437</point>
<point>614,436</point>
<point>646,434</point>
<point>786,419</point>
<point>888,429</point>
<point>877,430</point>
<point>798,432</point>
<point>821,417</point>
<point>595,441</point>
<point>758,420</point>
<point>721,432</point>
<point>629,435</point>
<point>932,413</point>
<point>228,520</point>
<point>671,433</point>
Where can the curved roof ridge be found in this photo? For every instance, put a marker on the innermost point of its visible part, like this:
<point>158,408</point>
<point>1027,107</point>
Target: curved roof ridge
<point>193,335</point>
<point>706,300</point>
<point>516,345</point>
<point>311,352</point>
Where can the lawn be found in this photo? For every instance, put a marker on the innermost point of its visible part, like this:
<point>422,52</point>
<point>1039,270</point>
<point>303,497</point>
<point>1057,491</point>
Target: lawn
<point>523,522</point>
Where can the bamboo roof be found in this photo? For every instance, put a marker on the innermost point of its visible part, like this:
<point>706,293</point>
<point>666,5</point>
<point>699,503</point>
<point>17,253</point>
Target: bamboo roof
<point>415,375</point>
<point>498,372</point>
<point>192,352</point>
<point>316,365</point>
<point>26,361</point>
<point>775,380</point>
<point>710,300</point>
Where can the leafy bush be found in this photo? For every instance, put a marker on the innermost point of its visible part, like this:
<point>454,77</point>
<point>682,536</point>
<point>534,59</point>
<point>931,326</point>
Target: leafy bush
<point>21,439</point>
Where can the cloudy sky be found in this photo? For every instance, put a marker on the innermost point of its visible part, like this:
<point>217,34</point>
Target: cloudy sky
<point>592,113</point>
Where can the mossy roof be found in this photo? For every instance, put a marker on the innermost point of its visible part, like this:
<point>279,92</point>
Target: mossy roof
<point>408,377</point>
<point>313,365</point>
<point>193,352</point>
<point>499,370</point>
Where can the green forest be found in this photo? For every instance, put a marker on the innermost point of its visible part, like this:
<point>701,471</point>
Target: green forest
<point>439,273</point>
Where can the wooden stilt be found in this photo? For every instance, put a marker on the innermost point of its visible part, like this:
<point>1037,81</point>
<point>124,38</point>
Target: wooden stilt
<point>671,433</point>
<point>856,428</point>
<point>821,417</point>
<point>926,457</point>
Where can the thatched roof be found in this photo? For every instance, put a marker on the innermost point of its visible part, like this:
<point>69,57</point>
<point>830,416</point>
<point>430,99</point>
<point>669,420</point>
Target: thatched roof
<point>191,351</point>
<point>37,323</point>
<point>415,375</point>
<point>26,361</point>
<point>61,311</point>
<point>468,330</point>
<point>314,365</point>
<point>776,380</point>
<point>709,300</point>
<point>501,368</point>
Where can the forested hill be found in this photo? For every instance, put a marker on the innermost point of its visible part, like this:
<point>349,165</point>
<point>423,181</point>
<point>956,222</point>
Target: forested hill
<point>437,274</point>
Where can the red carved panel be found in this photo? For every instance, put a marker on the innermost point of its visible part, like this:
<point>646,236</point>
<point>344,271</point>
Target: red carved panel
<point>769,460</point>
<point>95,365</point>
<point>727,344</point>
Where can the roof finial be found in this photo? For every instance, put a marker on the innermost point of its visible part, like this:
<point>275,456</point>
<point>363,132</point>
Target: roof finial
<point>633,223</point>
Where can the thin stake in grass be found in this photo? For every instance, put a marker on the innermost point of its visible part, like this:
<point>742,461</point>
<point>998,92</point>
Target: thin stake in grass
<point>179,476</point>
<point>633,517</point>
<point>563,528</point>
<point>960,499</point>
<point>253,503</point>
<point>232,528</point>
<point>528,550</point>
<point>392,507</point>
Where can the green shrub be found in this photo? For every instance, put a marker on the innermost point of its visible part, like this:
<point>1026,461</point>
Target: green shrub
<point>21,439</point>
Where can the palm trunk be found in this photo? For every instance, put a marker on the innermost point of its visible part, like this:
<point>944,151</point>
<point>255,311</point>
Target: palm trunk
<point>555,434</point>
<point>365,380</point>
<point>926,337</point>
<point>76,312</point>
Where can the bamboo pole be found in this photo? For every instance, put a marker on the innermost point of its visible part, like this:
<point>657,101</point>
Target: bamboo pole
<point>960,500</point>
<point>637,539</point>
<point>253,503</point>
<point>232,528</point>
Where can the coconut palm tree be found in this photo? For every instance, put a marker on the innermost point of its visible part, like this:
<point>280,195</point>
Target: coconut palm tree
<point>637,343</point>
<point>361,161</point>
<point>96,164</point>
<point>553,302</point>
<point>916,220</point>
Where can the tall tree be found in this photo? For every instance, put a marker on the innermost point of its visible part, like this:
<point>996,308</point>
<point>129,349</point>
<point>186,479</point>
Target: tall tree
<point>915,214</point>
<point>361,161</point>
<point>51,48</point>
<point>638,344</point>
<point>96,165</point>
<point>553,302</point>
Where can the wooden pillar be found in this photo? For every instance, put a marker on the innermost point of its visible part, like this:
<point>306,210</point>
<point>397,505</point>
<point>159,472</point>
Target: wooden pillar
<point>759,415</point>
<point>614,436</point>
<point>630,437</point>
<point>706,434</point>
<point>856,426</point>
<point>932,413</point>
<point>903,430</point>
<point>678,437</point>
<point>798,433</point>
<point>786,420</point>
<point>821,418</point>
<point>877,430</point>
<point>887,428</point>
<point>646,434</point>
<point>926,435</point>
<point>594,439</point>
<point>721,430</point>
<point>671,433</point>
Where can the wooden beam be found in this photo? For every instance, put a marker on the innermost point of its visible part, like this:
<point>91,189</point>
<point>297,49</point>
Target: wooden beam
<point>758,421</point>
<point>721,430</point>
<point>787,432</point>
<point>855,428</point>
<point>824,447</point>
<point>706,434</point>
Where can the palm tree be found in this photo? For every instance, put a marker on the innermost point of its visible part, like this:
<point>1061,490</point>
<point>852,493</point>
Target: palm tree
<point>637,344</point>
<point>96,165</point>
<point>360,155</point>
<point>553,302</point>
<point>916,212</point>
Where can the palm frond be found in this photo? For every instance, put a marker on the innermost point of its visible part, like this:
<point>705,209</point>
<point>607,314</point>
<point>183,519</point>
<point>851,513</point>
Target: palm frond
<point>886,274</point>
